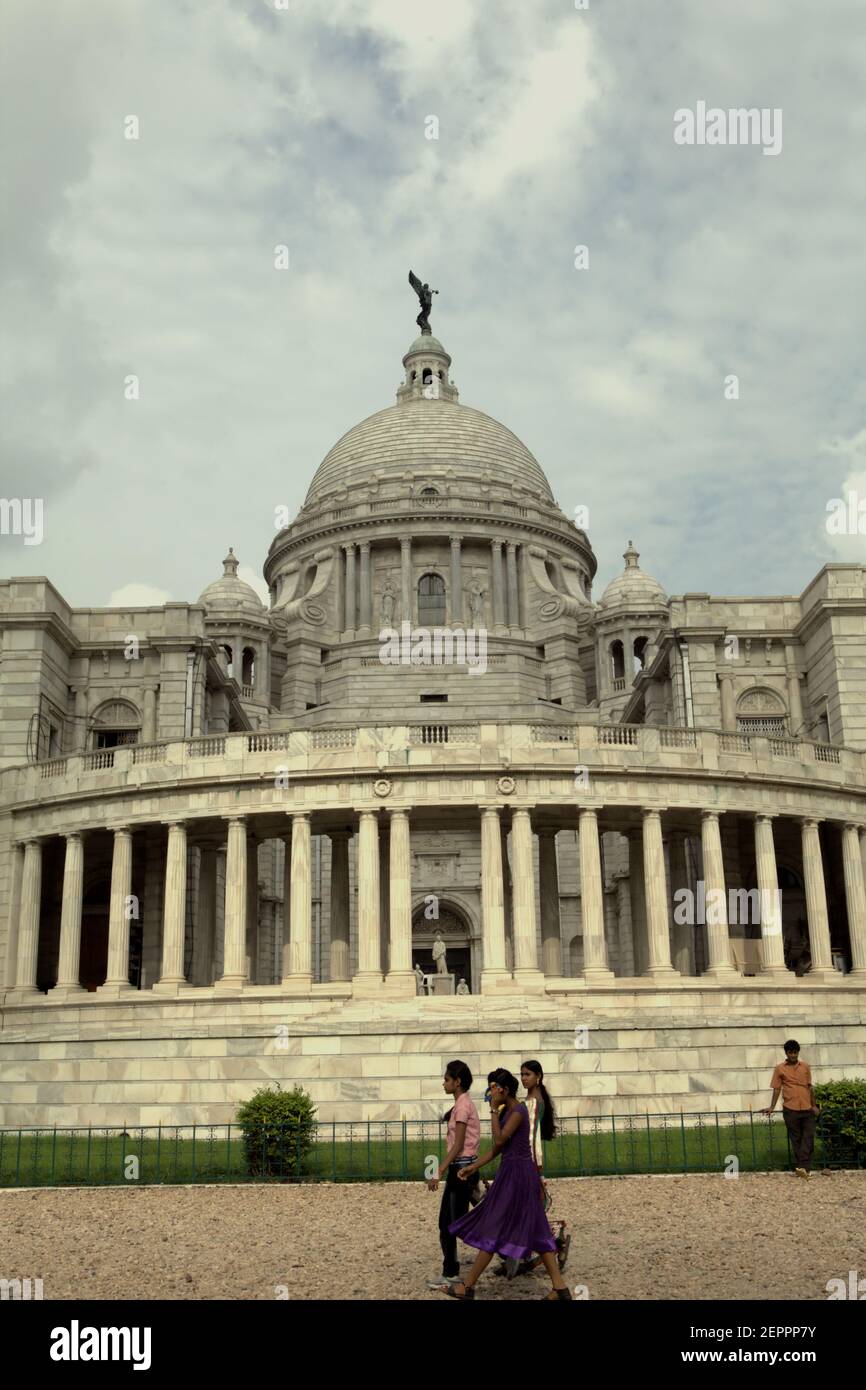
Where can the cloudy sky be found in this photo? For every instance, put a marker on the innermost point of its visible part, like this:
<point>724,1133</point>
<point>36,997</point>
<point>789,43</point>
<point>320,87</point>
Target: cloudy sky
<point>261,126</point>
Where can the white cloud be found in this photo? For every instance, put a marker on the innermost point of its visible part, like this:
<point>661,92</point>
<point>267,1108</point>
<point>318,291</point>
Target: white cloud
<point>137,595</point>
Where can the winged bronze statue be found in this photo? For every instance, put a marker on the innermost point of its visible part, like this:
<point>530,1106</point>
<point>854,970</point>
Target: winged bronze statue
<point>425,298</point>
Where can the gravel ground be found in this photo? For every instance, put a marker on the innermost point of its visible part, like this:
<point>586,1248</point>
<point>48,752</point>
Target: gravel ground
<point>700,1237</point>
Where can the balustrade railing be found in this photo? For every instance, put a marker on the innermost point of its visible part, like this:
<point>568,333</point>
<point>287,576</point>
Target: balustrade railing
<point>654,741</point>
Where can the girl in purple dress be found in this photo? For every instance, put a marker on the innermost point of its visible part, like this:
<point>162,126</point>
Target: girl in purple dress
<point>510,1221</point>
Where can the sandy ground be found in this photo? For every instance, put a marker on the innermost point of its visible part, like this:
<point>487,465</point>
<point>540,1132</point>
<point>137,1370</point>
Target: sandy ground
<point>701,1237</point>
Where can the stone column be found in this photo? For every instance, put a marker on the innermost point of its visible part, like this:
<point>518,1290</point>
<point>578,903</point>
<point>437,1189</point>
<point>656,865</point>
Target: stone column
<point>816,904</point>
<point>855,897</point>
<point>350,587</point>
<point>719,965</point>
<point>339,904</point>
<point>16,878</point>
<point>795,706</point>
<point>729,716</point>
<point>204,930</point>
<point>655,887</point>
<point>493,972</point>
<point>498,586</point>
<point>637,902</point>
<point>369,975</point>
<point>623,916</point>
<point>300,977</point>
<point>406,578</point>
<point>400,976</point>
<point>548,885</point>
<point>235,917</point>
<point>513,590</point>
<point>340,579</point>
<point>768,889</point>
<point>526,971</point>
<point>252,910</point>
<point>171,975</point>
<point>456,584</point>
<point>117,975</point>
<point>682,934</point>
<point>28,918</point>
<point>596,969</point>
<point>148,718</point>
<point>69,964</point>
<point>286,967</point>
<point>366,589</point>
<point>80,734</point>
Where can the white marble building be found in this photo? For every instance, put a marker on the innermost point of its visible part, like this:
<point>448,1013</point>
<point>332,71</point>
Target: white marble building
<point>229,831</point>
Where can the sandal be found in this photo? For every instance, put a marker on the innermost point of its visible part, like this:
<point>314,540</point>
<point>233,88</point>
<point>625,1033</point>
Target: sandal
<point>563,1294</point>
<point>467,1293</point>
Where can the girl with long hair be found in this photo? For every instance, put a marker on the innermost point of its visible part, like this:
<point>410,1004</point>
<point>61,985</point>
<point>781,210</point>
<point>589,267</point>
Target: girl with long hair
<point>462,1144</point>
<point>510,1221</point>
<point>542,1121</point>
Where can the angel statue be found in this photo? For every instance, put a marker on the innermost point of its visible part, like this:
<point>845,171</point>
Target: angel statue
<point>425,297</point>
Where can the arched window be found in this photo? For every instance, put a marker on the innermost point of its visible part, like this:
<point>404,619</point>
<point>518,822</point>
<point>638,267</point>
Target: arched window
<point>227,655</point>
<point>617,660</point>
<point>426,376</point>
<point>249,669</point>
<point>114,723</point>
<point>639,648</point>
<point>431,600</point>
<point>429,492</point>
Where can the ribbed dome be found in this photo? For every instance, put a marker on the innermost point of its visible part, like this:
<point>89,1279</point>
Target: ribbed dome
<point>229,592</point>
<point>633,588</point>
<point>421,437</point>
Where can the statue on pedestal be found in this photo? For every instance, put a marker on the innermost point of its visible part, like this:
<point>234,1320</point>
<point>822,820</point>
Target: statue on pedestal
<point>420,983</point>
<point>439,956</point>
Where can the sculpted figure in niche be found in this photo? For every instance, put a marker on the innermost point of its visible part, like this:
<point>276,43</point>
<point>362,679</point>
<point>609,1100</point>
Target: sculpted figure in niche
<point>420,984</point>
<point>476,603</point>
<point>439,956</point>
<point>389,598</point>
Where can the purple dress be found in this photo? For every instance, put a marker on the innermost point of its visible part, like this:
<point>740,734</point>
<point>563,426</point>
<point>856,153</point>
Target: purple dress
<point>510,1221</point>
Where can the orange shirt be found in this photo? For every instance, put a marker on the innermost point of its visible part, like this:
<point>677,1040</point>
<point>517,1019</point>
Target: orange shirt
<point>795,1082</point>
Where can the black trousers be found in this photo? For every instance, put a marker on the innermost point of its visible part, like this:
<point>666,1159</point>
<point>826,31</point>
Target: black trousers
<point>800,1125</point>
<point>455,1202</point>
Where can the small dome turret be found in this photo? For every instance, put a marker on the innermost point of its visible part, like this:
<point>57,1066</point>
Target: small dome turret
<point>633,589</point>
<point>231,593</point>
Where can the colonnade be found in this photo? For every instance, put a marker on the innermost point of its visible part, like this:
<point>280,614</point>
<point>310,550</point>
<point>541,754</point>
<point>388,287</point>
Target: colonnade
<point>357,587</point>
<point>650,906</point>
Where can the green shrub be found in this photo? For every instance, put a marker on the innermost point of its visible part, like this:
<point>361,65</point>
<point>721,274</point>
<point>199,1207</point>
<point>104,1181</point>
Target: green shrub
<point>842,1122</point>
<point>278,1129</point>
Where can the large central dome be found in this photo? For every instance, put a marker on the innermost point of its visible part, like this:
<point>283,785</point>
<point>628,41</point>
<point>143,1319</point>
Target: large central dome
<point>423,436</point>
<point>426,435</point>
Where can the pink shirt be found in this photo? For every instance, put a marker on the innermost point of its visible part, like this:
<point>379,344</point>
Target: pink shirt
<point>465,1111</point>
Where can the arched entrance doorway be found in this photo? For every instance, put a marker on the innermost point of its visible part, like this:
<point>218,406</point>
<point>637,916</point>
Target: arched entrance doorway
<point>440,915</point>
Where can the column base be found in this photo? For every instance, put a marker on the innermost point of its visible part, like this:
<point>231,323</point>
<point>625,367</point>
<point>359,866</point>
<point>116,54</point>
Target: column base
<point>662,972</point>
<point>113,989</point>
<point>229,984</point>
<point>401,983</point>
<point>774,972</point>
<point>823,975</point>
<point>296,984</point>
<point>171,987</point>
<point>368,984</point>
<point>497,982</point>
<point>721,975</point>
<point>598,975</point>
<point>62,992</point>
<point>532,981</point>
<point>858,973</point>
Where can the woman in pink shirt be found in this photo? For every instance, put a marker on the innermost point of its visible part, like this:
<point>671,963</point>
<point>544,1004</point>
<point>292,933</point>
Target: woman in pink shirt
<point>463,1136</point>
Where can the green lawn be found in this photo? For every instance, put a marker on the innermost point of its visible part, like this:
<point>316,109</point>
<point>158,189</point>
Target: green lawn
<point>384,1151</point>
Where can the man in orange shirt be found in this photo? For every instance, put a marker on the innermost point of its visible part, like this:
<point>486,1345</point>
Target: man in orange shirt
<point>794,1080</point>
